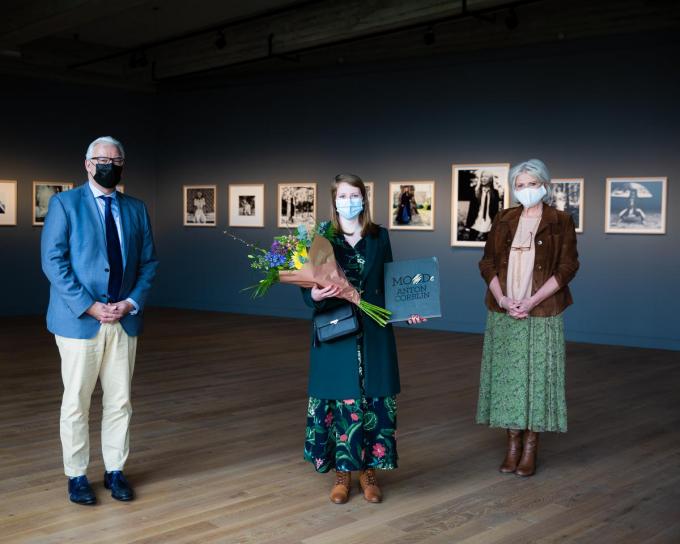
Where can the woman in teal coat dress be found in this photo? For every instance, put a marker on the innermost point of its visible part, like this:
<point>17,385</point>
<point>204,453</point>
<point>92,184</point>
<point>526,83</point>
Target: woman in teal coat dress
<point>354,380</point>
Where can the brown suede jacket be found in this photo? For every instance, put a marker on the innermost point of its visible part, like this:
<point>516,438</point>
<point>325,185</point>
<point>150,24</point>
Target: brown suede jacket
<point>556,255</point>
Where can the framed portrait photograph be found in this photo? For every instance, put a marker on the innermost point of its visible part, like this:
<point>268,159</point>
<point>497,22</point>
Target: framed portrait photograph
<point>296,203</point>
<point>200,205</point>
<point>370,192</point>
<point>246,205</point>
<point>568,197</point>
<point>478,193</point>
<point>42,192</point>
<point>8,203</point>
<point>636,205</point>
<point>411,205</point>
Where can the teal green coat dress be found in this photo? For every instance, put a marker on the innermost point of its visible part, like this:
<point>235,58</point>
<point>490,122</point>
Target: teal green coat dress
<point>333,369</point>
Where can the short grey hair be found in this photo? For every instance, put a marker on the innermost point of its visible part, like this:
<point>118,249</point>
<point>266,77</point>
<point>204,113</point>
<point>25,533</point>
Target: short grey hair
<point>537,170</point>
<point>104,140</point>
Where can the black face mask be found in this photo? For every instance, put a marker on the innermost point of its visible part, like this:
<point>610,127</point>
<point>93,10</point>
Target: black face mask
<point>108,175</point>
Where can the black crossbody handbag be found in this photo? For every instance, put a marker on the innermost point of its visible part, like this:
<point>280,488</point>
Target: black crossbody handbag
<point>335,323</point>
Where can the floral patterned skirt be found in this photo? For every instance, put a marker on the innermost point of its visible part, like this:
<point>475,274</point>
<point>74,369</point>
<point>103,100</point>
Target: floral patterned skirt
<point>522,383</point>
<point>352,434</point>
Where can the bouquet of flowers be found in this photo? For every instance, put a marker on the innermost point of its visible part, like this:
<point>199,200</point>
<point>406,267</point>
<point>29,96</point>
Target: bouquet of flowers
<point>305,258</point>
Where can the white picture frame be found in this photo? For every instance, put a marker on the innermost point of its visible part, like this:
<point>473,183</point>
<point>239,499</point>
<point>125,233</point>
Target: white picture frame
<point>467,181</point>
<point>246,205</point>
<point>370,196</point>
<point>420,216</point>
<point>8,203</point>
<point>296,204</point>
<point>636,205</point>
<point>199,205</point>
<point>43,191</point>
<point>568,195</point>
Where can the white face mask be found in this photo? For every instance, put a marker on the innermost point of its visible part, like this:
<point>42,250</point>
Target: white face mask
<point>529,196</point>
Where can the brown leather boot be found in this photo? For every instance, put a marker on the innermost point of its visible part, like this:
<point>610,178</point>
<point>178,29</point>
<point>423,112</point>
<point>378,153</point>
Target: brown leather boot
<point>340,491</point>
<point>514,451</point>
<point>527,464</point>
<point>369,485</point>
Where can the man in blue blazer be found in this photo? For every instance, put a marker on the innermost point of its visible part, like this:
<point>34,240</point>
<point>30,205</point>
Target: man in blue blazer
<point>98,254</point>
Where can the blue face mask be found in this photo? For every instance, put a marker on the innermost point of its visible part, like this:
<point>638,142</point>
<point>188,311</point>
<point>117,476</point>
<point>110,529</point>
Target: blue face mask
<point>349,208</point>
<point>530,196</point>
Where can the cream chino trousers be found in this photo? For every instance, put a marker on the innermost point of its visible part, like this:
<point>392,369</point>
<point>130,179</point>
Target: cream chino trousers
<point>109,356</point>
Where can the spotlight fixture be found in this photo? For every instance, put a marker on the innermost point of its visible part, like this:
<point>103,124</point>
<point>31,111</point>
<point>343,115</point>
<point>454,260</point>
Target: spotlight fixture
<point>429,37</point>
<point>511,20</point>
<point>220,41</point>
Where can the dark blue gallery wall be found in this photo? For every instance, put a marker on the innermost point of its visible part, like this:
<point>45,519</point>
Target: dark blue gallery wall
<point>592,110</point>
<point>46,128</point>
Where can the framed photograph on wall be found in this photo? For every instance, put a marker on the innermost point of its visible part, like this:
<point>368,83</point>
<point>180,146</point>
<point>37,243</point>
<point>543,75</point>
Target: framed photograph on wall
<point>636,205</point>
<point>246,205</point>
<point>411,205</point>
<point>42,192</point>
<point>296,203</point>
<point>478,193</point>
<point>370,196</point>
<point>200,205</point>
<point>8,203</point>
<point>568,197</point>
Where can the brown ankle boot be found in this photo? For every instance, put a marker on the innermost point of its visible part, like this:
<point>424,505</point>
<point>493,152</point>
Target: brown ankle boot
<point>514,451</point>
<point>369,485</point>
<point>340,491</point>
<point>527,464</point>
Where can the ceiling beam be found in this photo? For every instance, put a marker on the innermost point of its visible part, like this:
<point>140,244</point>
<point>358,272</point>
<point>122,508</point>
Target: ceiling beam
<point>25,21</point>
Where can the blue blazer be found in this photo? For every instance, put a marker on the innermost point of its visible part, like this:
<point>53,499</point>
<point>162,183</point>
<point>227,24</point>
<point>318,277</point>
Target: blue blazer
<point>74,259</point>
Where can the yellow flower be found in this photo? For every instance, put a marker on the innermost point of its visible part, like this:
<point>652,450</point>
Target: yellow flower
<point>300,258</point>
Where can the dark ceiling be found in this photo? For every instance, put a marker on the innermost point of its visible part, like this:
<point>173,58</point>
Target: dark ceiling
<point>143,44</point>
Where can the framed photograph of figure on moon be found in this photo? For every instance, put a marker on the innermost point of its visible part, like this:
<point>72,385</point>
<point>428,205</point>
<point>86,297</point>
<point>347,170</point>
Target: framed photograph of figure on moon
<point>411,205</point>
<point>43,191</point>
<point>478,193</point>
<point>8,203</point>
<point>246,205</point>
<point>567,196</point>
<point>296,202</point>
<point>200,206</point>
<point>636,205</point>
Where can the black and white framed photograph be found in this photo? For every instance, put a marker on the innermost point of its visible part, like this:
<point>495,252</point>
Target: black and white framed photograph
<point>200,205</point>
<point>8,203</point>
<point>478,193</point>
<point>246,205</point>
<point>636,205</point>
<point>296,204</point>
<point>567,197</point>
<point>411,205</point>
<point>42,192</point>
<point>370,192</point>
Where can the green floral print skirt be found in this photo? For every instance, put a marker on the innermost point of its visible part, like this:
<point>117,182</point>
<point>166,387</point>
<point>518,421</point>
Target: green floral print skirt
<point>522,375</point>
<point>352,434</point>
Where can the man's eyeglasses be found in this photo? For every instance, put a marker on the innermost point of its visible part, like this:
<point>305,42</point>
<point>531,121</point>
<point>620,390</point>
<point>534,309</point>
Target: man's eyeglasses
<point>118,161</point>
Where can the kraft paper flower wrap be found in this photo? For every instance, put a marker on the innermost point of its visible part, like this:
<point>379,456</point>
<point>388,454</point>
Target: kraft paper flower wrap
<point>307,261</point>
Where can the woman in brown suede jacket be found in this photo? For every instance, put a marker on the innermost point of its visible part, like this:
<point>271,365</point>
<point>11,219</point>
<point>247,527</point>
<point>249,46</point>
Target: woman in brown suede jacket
<point>529,258</point>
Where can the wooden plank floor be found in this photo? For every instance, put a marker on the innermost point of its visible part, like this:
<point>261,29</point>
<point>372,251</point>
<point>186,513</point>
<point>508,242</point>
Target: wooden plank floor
<point>218,427</point>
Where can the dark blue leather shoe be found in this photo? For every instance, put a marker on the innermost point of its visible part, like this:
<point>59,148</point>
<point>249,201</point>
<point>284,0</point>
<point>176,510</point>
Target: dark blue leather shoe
<point>80,492</point>
<point>119,486</point>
